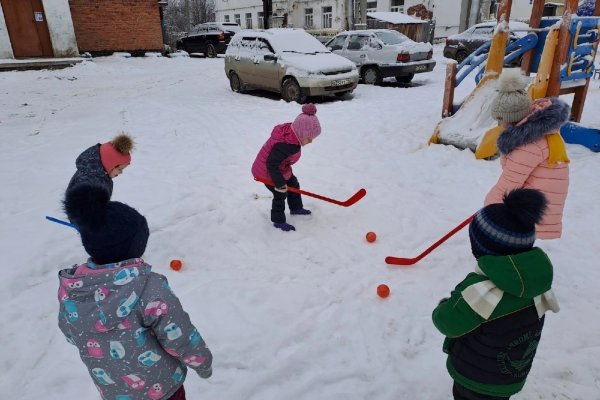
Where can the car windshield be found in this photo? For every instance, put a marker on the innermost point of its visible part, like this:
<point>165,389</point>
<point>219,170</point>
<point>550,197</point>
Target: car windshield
<point>391,37</point>
<point>297,42</point>
<point>484,30</point>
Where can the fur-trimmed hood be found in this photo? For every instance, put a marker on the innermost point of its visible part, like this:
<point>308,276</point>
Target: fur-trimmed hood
<point>536,125</point>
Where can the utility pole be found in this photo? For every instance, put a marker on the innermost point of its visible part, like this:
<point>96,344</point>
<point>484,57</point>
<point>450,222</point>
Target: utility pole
<point>363,13</point>
<point>474,12</point>
<point>267,10</point>
<point>350,14</point>
<point>465,7</point>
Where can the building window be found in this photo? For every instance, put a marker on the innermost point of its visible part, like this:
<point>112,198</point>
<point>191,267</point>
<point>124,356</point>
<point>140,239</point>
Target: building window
<point>238,19</point>
<point>227,18</point>
<point>327,16</point>
<point>372,6</point>
<point>397,6</point>
<point>261,20</point>
<point>308,17</point>
<point>249,20</point>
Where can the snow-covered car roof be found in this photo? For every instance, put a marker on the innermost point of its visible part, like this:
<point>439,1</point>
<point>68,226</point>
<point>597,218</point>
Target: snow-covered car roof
<point>288,39</point>
<point>370,31</point>
<point>407,43</point>
<point>518,27</point>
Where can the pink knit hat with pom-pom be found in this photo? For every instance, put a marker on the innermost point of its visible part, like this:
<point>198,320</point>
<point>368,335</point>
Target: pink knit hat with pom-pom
<point>116,152</point>
<point>306,125</point>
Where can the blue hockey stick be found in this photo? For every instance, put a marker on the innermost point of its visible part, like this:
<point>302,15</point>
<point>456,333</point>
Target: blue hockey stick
<point>60,221</point>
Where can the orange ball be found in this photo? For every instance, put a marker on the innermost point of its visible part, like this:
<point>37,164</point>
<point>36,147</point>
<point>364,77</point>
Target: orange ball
<point>383,290</point>
<point>371,237</point>
<point>176,265</point>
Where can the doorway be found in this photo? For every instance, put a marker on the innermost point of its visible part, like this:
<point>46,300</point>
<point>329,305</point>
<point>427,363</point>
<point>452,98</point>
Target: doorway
<point>27,28</point>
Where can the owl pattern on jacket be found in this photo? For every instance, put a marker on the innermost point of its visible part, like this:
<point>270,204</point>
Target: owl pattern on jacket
<point>130,329</point>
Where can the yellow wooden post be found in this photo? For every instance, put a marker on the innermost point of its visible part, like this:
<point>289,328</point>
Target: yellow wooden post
<point>539,86</point>
<point>495,60</point>
<point>493,68</point>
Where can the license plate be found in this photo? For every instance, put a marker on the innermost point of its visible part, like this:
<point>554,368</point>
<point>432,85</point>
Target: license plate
<point>421,68</point>
<point>340,82</point>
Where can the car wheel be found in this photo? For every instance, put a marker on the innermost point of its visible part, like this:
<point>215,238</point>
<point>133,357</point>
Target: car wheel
<point>235,82</point>
<point>371,76</point>
<point>291,91</point>
<point>211,52</point>
<point>405,78</point>
<point>460,56</point>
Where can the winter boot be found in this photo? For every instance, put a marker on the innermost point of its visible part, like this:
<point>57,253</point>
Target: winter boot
<point>300,211</point>
<point>284,226</point>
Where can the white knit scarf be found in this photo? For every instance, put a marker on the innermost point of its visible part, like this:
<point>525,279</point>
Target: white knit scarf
<point>483,297</point>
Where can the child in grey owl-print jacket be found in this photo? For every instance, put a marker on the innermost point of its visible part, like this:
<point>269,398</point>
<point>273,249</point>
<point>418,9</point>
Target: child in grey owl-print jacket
<point>130,329</point>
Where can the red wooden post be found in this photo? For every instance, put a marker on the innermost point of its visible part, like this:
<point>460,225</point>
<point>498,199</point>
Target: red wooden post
<point>537,10</point>
<point>564,41</point>
<point>581,92</point>
<point>448,101</point>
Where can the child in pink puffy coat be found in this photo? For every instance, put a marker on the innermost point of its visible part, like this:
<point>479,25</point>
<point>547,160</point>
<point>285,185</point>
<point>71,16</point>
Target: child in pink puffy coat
<point>532,152</point>
<point>276,157</point>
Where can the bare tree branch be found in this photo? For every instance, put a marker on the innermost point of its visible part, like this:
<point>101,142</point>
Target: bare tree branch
<point>181,15</point>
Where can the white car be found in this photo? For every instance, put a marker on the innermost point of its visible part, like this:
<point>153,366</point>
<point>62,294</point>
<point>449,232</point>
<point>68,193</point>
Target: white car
<point>382,53</point>
<point>287,61</point>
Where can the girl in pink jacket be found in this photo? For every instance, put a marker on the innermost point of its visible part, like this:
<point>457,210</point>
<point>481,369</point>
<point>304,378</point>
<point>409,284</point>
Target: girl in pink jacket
<point>532,152</point>
<point>274,162</point>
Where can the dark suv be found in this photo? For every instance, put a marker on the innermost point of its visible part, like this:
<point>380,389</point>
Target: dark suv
<point>458,47</point>
<point>210,38</point>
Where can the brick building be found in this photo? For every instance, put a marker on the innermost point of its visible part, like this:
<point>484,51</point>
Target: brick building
<point>65,28</point>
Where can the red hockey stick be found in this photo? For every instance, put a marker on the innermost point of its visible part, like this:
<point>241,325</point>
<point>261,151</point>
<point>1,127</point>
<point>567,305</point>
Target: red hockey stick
<point>356,197</point>
<point>411,261</point>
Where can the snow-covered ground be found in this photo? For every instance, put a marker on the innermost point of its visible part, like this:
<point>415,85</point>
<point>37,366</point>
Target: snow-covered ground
<point>287,315</point>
